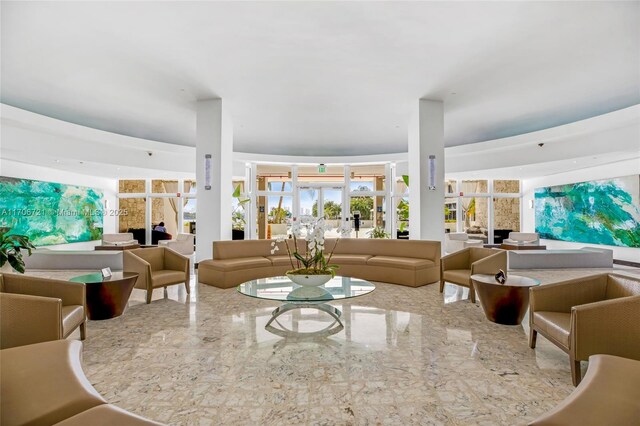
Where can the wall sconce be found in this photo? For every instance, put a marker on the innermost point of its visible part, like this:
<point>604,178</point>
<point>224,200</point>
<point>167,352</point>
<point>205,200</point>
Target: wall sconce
<point>432,172</point>
<point>530,204</point>
<point>207,171</point>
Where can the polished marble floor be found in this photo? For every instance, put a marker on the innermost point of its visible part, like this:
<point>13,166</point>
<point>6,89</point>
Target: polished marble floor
<point>405,356</point>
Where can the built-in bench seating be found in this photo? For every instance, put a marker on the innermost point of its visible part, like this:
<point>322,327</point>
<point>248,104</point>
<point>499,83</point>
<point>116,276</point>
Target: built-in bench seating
<point>407,262</point>
<point>586,257</point>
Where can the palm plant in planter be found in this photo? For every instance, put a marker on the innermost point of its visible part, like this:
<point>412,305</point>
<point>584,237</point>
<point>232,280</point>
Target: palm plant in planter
<point>237,215</point>
<point>10,249</point>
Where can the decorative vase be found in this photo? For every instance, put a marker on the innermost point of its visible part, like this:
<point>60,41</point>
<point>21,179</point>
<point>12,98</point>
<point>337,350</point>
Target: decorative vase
<point>309,280</point>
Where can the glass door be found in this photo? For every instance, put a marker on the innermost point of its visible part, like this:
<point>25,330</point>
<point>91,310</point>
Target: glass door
<point>318,201</point>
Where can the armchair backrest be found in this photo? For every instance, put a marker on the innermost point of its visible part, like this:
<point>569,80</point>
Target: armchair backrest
<point>457,236</point>
<point>117,238</point>
<point>621,286</point>
<point>185,237</point>
<point>524,236</point>
<point>153,255</point>
<point>477,253</point>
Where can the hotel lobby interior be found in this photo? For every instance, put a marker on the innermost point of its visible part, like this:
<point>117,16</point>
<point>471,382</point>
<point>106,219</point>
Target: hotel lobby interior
<point>320,213</point>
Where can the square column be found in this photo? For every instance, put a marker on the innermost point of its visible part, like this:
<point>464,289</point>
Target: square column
<point>426,171</point>
<point>214,138</point>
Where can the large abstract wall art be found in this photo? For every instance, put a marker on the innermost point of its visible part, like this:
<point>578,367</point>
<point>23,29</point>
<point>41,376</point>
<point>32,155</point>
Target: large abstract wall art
<point>598,212</point>
<point>51,213</point>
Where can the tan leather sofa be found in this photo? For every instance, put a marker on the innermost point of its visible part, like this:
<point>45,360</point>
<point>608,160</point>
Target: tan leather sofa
<point>458,267</point>
<point>34,310</point>
<point>608,395</point>
<point>43,384</point>
<point>407,262</point>
<point>157,267</point>
<point>586,316</point>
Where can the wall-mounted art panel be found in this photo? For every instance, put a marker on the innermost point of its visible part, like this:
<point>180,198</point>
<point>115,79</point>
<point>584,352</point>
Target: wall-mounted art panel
<point>51,213</point>
<point>598,212</point>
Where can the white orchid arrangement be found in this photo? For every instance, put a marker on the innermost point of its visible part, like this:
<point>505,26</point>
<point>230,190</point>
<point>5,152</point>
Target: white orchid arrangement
<point>313,260</point>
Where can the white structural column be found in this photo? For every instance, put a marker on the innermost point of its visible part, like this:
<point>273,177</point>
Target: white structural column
<point>214,137</point>
<point>426,139</point>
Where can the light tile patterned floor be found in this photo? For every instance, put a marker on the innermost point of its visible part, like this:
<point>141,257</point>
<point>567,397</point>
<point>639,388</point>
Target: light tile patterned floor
<point>404,357</point>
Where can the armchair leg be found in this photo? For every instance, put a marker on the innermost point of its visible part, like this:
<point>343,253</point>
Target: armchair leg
<point>532,338</point>
<point>576,373</point>
<point>441,286</point>
<point>186,287</point>
<point>83,330</point>
<point>472,294</point>
<point>149,294</point>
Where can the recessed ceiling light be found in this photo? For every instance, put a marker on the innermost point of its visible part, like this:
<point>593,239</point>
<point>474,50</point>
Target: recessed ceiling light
<point>57,161</point>
<point>574,161</point>
<point>453,93</point>
<point>81,162</point>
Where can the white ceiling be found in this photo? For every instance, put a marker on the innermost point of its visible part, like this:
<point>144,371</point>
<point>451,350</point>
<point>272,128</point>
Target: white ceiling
<point>320,78</point>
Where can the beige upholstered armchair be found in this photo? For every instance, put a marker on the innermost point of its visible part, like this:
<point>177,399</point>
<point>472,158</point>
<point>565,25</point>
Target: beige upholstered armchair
<point>522,238</point>
<point>157,267</point>
<point>120,239</point>
<point>34,310</point>
<point>456,241</point>
<point>599,314</point>
<point>458,267</point>
<point>183,244</point>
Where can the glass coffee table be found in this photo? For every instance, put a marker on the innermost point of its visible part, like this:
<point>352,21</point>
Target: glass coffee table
<point>297,297</point>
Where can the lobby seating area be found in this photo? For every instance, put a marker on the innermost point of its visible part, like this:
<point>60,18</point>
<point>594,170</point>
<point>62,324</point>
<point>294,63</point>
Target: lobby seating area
<point>318,213</point>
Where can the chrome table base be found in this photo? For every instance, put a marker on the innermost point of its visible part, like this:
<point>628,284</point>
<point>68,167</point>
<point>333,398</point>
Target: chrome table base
<point>334,312</point>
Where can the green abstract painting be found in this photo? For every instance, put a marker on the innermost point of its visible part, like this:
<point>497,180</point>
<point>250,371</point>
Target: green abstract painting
<point>598,212</point>
<point>51,213</point>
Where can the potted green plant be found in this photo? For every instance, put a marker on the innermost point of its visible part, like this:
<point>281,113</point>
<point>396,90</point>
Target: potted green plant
<point>11,246</point>
<point>237,215</point>
<point>378,232</point>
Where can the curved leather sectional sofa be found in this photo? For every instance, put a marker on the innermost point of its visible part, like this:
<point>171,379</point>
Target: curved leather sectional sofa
<point>412,263</point>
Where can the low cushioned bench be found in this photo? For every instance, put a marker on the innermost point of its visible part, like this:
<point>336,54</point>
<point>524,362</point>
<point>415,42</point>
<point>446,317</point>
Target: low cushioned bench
<point>407,262</point>
<point>43,384</point>
<point>609,394</point>
<point>586,257</point>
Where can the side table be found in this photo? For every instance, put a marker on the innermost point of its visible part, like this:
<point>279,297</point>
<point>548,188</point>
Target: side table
<point>503,303</point>
<point>107,297</point>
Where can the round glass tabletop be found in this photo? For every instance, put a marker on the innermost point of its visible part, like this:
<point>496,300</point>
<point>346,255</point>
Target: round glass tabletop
<point>281,288</point>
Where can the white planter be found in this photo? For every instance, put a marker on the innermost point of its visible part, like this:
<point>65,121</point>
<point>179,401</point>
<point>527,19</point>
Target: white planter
<point>7,269</point>
<point>309,280</point>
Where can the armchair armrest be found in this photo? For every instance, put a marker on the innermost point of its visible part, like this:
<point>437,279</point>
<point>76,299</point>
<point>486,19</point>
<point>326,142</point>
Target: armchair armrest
<point>133,263</point>
<point>490,264</point>
<point>607,327</point>
<point>175,261</point>
<point>457,260</point>
<point>26,319</point>
<point>562,296</point>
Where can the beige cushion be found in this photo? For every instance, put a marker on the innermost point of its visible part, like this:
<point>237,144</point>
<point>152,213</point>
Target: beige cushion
<point>167,277</point>
<point>554,324</point>
<point>239,263</point>
<point>280,260</point>
<point>72,316</point>
<point>457,276</point>
<point>43,384</point>
<point>106,415</point>
<point>350,259</point>
<point>400,262</point>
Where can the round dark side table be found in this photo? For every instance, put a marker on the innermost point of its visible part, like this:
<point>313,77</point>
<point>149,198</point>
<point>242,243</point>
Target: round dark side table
<point>504,303</point>
<point>107,297</point>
